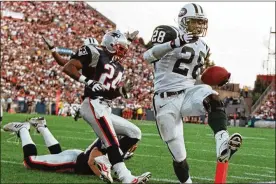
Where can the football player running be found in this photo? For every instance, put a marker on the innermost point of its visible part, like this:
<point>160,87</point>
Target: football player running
<point>177,55</point>
<point>102,73</point>
<point>69,161</point>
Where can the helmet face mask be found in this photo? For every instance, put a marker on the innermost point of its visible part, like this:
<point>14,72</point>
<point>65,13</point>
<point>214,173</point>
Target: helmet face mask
<point>115,43</point>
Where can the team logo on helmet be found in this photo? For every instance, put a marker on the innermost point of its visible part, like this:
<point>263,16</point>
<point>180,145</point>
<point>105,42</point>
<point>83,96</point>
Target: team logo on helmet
<point>182,12</point>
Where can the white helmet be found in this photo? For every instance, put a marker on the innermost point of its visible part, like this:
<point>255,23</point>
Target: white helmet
<point>91,41</point>
<point>116,43</point>
<point>192,18</point>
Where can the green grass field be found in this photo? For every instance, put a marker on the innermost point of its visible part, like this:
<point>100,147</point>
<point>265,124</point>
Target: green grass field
<point>253,163</point>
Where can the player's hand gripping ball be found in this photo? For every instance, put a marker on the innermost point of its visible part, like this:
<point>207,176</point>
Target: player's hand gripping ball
<point>215,76</point>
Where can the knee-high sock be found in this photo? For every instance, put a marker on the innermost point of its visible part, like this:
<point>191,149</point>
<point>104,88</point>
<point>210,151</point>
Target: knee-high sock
<point>28,145</point>
<point>50,141</point>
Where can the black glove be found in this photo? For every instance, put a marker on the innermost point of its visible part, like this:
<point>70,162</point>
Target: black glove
<point>48,43</point>
<point>126,88</point>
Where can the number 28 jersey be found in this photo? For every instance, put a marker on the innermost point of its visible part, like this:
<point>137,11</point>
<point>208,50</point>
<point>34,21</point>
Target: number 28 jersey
<point>98,65</point>
<point>179,68</point>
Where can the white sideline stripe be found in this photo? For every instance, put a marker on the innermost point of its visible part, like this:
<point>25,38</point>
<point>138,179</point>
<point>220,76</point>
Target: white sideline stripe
<point>264,156</point>
<point>150,134</point>
<point>243,177</point>
<point>154,179</point>
<point>85,139</point>
<point>262,175</point>
<point>198,160</point>
<point>154,156</point>
<point>256,138</point>
<point>241,165</point>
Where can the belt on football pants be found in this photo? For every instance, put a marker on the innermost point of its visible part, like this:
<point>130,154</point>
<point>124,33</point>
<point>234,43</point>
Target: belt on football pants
<point>168,94</point>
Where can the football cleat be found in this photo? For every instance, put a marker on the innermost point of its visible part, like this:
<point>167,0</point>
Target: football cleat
<point>227,146</point>
<point>234,143</point>
<point>16,127</point>
<point>38,122</point>
<point>142,179</point>
<point>104,166</point>
<point>128,155</point>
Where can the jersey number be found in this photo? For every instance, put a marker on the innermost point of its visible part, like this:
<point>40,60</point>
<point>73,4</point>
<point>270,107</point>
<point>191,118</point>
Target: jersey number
<point>158,36</point>
<point>176,67</point>
<point>107,78</point>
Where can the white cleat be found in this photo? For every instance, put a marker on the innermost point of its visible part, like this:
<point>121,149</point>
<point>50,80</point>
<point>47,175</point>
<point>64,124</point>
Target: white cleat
<point>227,146</point>
<point>16,126</point>
<point>38,122</point>
<point>104,166</point>
<point>234,143</point>
<point>142,179</point>
<point>128,155</point>
<point>223,152</point>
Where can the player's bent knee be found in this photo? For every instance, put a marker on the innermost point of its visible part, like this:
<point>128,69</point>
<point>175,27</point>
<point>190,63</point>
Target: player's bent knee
<point>212,103</point>
<point>136,133</point>
<point>181,170</point>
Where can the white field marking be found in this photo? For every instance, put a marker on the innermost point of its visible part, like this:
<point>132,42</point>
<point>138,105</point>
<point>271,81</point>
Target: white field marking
<point>243,177</point>
<point>149,145</point>
<point>199,160</point>
<point>154,156</point>
<point>254,138</point>
<point>154,179</point>
<point>273,172</point>
<point>268,182</point>
<point>262,175</point>
<point>143,144</point>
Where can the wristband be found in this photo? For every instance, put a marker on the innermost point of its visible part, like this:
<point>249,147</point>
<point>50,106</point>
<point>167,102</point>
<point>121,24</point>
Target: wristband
<point>82,79</point>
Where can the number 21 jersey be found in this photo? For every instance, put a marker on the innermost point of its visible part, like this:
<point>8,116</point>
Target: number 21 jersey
<point>179,68</point>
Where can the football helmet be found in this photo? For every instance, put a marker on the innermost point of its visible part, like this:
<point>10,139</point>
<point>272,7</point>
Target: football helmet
<point>192,18</point>
<point>91,41</point>
<point>116,43</point>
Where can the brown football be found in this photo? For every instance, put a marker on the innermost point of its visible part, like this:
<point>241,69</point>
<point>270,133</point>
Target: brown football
<point>215,75</point>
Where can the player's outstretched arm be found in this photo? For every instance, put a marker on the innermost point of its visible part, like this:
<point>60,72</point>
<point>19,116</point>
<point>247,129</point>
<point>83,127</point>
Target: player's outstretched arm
<point>164,40</point>
<point>53,49</point>
<point>93,154</point>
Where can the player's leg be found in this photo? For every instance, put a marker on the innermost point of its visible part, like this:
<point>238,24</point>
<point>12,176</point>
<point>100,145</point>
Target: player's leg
<point>41,126</point>
<point>97,115</point>
<point>22,131</point>
<point>130,132</point>
<point>170,128</point>
<point>217,118</point>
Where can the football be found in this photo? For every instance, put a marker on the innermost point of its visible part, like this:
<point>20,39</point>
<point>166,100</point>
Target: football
<point>215,75</point>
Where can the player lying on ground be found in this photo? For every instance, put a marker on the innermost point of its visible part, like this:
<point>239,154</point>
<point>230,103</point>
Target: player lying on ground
<point>69,161</point>
<point>177,55</point>
<point>102,73</point>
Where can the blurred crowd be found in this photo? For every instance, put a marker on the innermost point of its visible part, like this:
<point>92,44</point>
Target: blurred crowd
<point>29,73</point>
<point>267,109</point>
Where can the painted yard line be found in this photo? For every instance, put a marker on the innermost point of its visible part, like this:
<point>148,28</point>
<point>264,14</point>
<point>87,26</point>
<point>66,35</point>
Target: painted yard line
<point>243,177</point>
<point>188,142</point>
<point>154,179</point>
<point>262,175</point>
<point>245,137</point>
<point>268,182</point>
<point>199,160</point>
<point>149,145</point>
<point>154,156</point>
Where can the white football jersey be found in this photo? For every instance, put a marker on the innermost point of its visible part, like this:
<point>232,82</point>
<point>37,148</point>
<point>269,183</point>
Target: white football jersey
<point>179,68</point>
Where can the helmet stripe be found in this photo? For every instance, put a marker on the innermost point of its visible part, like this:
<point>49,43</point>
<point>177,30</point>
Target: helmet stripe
<point>200,8</point>
<point>196,10</point>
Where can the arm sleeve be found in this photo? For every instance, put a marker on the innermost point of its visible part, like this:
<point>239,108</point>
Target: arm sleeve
<point>161,41</point>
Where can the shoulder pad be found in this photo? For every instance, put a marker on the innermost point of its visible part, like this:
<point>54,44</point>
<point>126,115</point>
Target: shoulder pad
<point>163,34</point>
<point>95,54</point>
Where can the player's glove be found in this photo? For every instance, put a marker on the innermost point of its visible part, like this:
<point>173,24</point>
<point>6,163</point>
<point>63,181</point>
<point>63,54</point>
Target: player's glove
<point>48,43</point>
<point>131,36</point>
<point>95,86</point>
<point>183,39</point>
